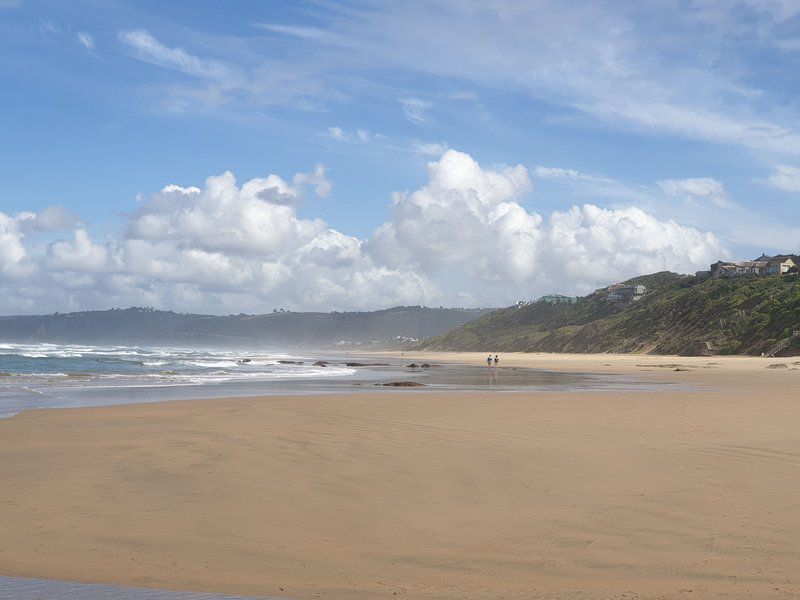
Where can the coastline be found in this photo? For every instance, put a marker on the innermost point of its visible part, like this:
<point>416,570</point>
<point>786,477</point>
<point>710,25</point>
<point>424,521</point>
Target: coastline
<point>434,495</point>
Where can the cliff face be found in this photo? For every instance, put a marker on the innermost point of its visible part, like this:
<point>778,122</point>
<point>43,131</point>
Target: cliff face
<point>679,315</point>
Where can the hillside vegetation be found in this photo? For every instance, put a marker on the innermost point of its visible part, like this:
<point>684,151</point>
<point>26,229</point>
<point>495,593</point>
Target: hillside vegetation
<point>679,315</point>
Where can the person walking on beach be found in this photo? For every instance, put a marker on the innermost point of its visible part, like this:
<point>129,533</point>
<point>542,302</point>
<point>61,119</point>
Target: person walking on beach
<point>496,360</point>
<point>489,361</point>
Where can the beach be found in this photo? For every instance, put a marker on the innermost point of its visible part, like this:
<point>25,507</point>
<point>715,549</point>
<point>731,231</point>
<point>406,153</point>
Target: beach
<point>662,493</point>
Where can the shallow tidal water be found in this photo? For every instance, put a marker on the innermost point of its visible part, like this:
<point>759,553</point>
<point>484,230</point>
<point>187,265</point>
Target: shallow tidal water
<point>19,588</point>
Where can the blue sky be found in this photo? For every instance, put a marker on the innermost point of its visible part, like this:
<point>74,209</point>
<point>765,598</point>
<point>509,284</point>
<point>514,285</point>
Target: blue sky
<point>655,135</point>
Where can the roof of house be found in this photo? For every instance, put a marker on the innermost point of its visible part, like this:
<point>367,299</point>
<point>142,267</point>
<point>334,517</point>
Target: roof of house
<point>784,257</point>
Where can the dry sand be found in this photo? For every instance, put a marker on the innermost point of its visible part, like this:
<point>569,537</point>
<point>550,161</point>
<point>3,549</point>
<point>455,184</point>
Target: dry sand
<point>668,494</point>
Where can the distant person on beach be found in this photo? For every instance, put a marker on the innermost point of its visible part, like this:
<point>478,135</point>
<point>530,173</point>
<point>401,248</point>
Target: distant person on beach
<point>489,361</point>
<point>496,360</point>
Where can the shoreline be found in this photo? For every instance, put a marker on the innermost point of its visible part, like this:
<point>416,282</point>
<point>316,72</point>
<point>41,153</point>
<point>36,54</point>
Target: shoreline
<point>459,372</point>
<point>433,495</point>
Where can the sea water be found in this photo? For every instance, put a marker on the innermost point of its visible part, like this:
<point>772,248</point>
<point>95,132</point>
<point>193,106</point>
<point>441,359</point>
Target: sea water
<point>57,376</point>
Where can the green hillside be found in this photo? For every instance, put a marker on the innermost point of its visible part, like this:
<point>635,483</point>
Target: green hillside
<point>679,315</point>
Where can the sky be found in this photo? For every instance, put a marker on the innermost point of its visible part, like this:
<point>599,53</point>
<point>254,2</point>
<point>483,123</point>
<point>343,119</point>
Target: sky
<point>226,157</point>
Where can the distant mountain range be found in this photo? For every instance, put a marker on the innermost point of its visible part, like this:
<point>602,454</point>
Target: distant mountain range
<point>679,314</point>
<point>144,326</point>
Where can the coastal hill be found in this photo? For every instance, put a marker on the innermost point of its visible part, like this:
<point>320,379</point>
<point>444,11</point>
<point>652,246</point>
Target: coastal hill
<point>679,314</point>
<point>279,329</point>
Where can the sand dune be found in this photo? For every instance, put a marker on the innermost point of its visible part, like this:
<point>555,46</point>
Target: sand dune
<point>666,494</point>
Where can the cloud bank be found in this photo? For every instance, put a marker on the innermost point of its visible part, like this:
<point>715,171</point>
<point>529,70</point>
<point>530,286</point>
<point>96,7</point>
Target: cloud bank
<point>463,238</point>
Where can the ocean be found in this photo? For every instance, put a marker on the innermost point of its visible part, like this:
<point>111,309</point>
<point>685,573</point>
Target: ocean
<point>56,376</point>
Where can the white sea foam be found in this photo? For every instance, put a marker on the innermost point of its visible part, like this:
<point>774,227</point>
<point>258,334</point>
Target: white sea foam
<point>80,365</point>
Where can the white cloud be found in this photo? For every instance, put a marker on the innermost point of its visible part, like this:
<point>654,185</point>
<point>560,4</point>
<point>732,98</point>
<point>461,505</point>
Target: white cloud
<point>85,39</point>
<point>51,218</point>
<point>145,47</point>
<point>624,64</point>
<point>469,219</point>
<point>13,253</point>
<point>559,173</point>
<point>416,110</point>
<point>79,254</point>
<point>256,218</point>
<point>47,27</point>
<point>590,246</point>
<point>430,149</point>
<point>465,218</point>
<point>463,237</point>
<point>317,179</point>
<point>295,30</point>
<point>706,188</point>
<point>358,136</point>
<point>338,133</point>
<point>785,178</point>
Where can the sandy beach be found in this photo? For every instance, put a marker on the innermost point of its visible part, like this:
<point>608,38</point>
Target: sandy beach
<point>663,494</point>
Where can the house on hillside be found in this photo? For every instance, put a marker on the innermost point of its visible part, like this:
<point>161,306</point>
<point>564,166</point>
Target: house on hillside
<point>783,263</point>
<point>763,265</point>
<point>558,299</point>
<point>621,292</point>
<point>549,299</point>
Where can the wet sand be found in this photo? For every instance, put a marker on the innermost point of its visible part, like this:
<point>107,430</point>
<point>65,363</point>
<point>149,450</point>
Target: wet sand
<point>648,494</point>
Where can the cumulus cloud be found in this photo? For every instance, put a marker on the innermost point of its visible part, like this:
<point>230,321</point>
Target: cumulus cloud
<point>225,246</point>
<point>52,218</point>
<point>785,178</point>
<point>78,254</point>
<point>591,245</point>
<point>257,217</point>
<point>13,253</point>
<point>465,218</point>
<point>470,219</point>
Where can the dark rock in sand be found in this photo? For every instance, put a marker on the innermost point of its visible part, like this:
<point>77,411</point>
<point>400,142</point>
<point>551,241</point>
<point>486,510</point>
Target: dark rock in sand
<point>355,364</point>
<point>321,363</point>
<point>290,362</point>
<point>428,365</point>
<point>402,384</point>
<point>244,360</point>
<point>778,366</point>
<point>412,366</point>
